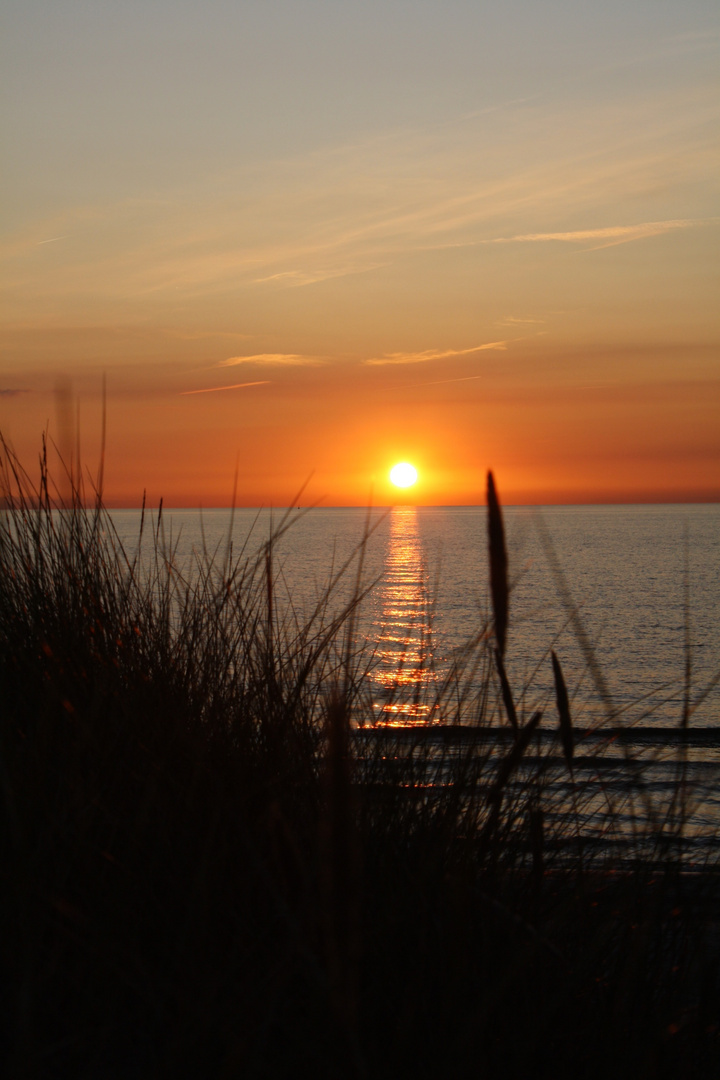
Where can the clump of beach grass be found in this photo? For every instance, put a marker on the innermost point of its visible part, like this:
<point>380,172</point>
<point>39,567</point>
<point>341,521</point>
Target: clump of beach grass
<point>216,863</point>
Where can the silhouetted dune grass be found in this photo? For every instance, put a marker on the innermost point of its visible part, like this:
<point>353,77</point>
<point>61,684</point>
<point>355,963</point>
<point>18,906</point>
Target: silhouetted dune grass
<point>215,863</point>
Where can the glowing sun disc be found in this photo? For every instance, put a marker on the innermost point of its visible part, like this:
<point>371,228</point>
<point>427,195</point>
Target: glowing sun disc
<point>403,475</point>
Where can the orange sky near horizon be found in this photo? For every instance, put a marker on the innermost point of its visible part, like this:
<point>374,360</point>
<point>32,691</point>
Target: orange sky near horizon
<point>503,257</point>
<point>573,438</point>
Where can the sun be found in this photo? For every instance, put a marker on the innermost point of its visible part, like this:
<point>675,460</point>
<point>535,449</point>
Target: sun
<point>403,475</point>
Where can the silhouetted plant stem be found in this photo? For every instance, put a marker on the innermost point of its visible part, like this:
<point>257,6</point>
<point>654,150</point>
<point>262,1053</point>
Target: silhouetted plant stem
<point>498,565</point>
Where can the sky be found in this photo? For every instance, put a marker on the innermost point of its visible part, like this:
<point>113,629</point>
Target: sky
<point>302,240</point>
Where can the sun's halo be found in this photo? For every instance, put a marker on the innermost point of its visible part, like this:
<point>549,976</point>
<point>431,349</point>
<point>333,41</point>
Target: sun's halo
<point>403,475</point>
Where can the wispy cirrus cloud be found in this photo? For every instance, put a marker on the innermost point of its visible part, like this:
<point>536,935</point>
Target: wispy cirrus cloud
<point>377,202</point>
<point>432,354</point>
<point>298,278</point>
<point>609,235</point>
<point>216,389</point>
<point>274,360</point>
<point>516,320</point>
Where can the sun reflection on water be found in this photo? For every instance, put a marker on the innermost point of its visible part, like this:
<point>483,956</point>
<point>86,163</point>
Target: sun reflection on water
<point>403,628</point>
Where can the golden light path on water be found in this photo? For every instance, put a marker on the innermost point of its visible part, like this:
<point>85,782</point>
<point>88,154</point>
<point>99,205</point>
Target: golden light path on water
<point>403,629</point>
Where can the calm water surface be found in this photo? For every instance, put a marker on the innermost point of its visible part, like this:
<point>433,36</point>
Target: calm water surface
<point>645,581</point>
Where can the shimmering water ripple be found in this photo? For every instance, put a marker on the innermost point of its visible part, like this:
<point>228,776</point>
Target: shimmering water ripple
<point>402,629</point>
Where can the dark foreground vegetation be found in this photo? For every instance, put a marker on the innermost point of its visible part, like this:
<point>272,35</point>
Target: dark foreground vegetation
<point>214,864</point>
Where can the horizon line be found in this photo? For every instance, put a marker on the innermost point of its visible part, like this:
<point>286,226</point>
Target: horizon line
<point>426,506</point>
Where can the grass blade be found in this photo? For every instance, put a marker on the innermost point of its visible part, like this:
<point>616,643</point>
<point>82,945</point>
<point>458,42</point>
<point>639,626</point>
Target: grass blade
<point>506,691</point>
<point>563,708</point>
<point>498,565</point>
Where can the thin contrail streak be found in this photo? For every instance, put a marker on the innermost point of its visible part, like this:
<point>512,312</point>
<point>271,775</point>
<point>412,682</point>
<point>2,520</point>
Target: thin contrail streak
<point>235,386</point>
<point>431,354</point>
<point>439,382</point>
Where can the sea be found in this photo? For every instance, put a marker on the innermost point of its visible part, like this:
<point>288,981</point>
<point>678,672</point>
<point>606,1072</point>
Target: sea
<point>628,597</point>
